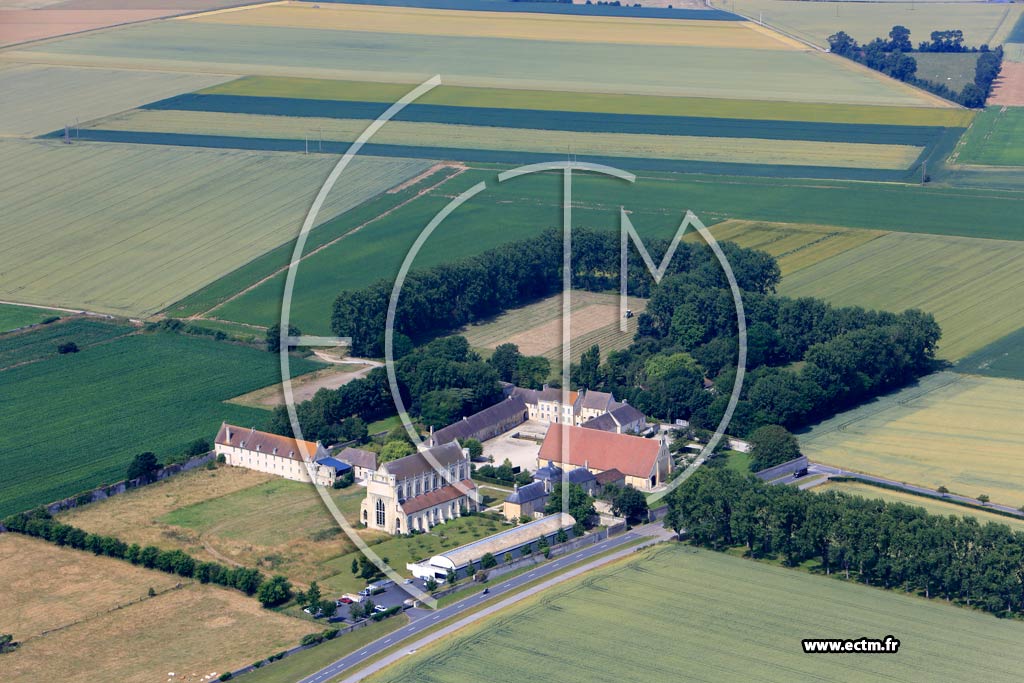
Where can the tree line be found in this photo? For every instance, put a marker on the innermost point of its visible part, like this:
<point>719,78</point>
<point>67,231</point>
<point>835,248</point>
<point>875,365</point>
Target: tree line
<point>40,524</point>
<point>891,58</point>
<point>806,359</point>
<point>443,298</point>
<point>888,545</point>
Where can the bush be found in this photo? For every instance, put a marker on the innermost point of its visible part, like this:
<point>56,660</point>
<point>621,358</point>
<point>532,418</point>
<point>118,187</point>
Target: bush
<point>67,347</point>
<point>312,639</point>
<point>51,319</point>
<point>226,676</point>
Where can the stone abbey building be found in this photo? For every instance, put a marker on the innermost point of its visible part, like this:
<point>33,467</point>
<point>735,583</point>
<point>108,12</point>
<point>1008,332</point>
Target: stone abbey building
<point>419,491</point>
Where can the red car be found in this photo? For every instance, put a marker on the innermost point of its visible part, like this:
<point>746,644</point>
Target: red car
<point>344,601</point>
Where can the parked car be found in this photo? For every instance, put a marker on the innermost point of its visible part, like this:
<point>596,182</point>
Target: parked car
<point>352,597</point>
<point>408,581</point>
<point>344,600</point>
<point>380,608</point>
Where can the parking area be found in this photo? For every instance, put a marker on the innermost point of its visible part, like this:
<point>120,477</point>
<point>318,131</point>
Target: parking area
<point>522,452</point>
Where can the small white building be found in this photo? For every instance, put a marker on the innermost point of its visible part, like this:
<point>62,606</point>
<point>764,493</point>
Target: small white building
<point>508,541</point>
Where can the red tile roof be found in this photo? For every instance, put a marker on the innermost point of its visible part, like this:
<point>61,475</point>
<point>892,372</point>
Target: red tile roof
<point>437,497</point>
<point>632,455</point>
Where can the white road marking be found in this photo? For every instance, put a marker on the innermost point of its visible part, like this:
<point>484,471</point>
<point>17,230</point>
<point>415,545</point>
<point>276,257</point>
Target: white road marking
<point>506,585</point>
<point>387,641</point>
<point>363,652</point>
<point>436,618</point>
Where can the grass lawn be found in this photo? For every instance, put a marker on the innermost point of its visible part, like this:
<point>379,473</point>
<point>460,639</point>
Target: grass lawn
<point>959,431</point>
<point>972,286</point>
<point>232,515</point>
<point>996,138</point>
<point>608,103</point>
<point>730,619</point>
<point>304,663</point>
<point>98,609</point>
<point>12,317</point>
<point>405,549</point>
<point>952,69</point>
<point>738,461</point>
<point>1002,358</point>
<point>92,411</point>
<point>936,507</point>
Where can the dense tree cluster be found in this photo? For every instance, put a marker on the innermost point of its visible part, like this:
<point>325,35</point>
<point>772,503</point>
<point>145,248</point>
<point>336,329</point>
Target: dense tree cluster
<point>440,381</point>
<point>891,58</point>
<point>580,506</point>
<point>40,524</point>
<point>843,355</point>
<point>890,545</point>
<point>446,297</point>
<point>771,445</point>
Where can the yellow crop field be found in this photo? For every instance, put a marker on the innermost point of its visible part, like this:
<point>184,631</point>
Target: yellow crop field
<point>711,149</point>
<point>195,630</point>
<point>972,286</point>
<point>959,431</point>
<point>795,246</point>
<point>936,507</point>
<point>316,89</point>
<point>78,584</point>
<point>552,27</point>
<point>130,229</point>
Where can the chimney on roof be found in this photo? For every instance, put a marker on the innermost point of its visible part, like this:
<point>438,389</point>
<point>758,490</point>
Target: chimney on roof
<point>464,418</point>
<point>228,432</point>
<point>586,463</point>
<point>516,486</point>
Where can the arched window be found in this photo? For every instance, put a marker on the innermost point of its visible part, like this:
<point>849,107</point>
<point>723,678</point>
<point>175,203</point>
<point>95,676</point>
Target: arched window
<point>380,512</point>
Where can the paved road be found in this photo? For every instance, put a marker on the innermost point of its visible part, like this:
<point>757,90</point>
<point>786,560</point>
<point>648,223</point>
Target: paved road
<point>830,471</point>
<point>426,619</point>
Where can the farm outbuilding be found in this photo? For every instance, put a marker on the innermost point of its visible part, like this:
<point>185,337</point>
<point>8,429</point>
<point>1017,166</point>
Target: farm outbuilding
<point>508,541</point>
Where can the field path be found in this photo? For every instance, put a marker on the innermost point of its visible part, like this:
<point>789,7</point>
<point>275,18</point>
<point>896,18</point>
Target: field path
<point>460,169</point>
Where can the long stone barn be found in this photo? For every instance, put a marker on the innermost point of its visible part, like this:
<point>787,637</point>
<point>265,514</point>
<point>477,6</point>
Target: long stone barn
<point>275,454</point>
<point>508,541</point>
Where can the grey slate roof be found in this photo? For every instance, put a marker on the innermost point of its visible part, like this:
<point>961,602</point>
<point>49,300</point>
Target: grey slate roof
<point>357,457</point>
<point>488,417</point>
<point>417,463</point>
<point>597,400</point>
<point>605,423</point>
<point>580,475</point>
<point>549,472</point>
<point>625,413</point>
<point>525,494</point>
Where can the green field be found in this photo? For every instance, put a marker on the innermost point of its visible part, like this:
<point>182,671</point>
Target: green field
<point>996,138</point>
<point>793,245</point>
<point>39,99</point>
<point>678,612</point>
<point>982,23</point>
<point>959,431</point>
<point>526,206</point>
<point>952,69</point>
<point>41,343</point>
<point>416,134</point>
<point>73,422</point>
<point>312,88</point>
<point>12,317</point>
<point>972,286</point>
<point>786,74</point>
<point>183,217</point>
<point>1002,358</point>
